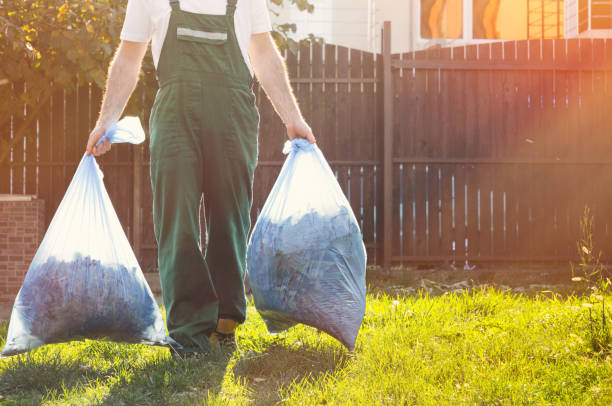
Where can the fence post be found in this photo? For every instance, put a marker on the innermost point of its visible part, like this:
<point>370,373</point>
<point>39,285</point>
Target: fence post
<point>388,146</point>
<point>137,200</point>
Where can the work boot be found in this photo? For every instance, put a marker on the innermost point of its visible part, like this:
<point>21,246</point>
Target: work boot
<point>225,334</point>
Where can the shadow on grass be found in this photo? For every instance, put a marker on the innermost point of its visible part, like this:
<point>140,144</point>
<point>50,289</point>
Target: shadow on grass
<point>167,382</point>
<point>108,374</point>
<point>270,373</point>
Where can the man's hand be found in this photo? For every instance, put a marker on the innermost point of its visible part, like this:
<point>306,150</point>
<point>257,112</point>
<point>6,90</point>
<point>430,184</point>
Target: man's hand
<point>300,129</point>
<point>94,136</point>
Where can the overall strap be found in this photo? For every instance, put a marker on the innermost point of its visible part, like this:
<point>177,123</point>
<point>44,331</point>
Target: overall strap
<point>174,4</point>
<point>231,7</point>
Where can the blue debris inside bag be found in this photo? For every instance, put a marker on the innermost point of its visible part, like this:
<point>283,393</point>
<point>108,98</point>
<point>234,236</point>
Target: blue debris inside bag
<point>306,258</point>
<point>85,281</point>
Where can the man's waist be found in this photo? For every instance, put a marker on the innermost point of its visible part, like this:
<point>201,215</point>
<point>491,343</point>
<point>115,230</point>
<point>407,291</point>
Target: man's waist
<point>208,79</point>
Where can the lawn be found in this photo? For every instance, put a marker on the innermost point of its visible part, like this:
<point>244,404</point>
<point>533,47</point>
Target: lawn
<point>478,347</point>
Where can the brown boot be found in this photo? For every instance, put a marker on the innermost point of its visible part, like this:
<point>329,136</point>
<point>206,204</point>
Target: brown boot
<point>225,335</point>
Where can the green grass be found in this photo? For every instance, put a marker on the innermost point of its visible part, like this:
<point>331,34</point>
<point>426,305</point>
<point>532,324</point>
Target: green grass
<point>480,347</point>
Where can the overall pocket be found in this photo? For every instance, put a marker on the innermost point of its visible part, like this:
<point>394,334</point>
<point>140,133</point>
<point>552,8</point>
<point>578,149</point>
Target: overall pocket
<point>203,49</point>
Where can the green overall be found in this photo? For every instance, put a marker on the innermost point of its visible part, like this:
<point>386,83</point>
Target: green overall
<point>204,126</point>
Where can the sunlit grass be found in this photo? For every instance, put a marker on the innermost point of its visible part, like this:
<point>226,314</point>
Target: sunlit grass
<point>481,347</point>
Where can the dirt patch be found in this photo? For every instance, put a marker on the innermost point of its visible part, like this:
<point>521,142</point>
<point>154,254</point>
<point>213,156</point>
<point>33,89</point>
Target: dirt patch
<point>520,278</point>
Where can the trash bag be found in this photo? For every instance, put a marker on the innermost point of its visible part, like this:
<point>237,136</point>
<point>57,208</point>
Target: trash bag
<point>306,259</point>
<point>85,281</point>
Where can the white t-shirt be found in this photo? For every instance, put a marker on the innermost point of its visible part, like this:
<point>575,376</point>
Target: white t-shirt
<point>147,20</point>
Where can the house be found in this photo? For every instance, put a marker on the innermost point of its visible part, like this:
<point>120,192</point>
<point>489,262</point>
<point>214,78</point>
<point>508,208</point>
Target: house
<point>421,24</point>
<point>588,18</point>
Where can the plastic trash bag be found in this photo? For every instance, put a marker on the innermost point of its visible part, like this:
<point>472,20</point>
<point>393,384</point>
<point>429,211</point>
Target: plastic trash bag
<point>306,259</point>
<point>85,281</point>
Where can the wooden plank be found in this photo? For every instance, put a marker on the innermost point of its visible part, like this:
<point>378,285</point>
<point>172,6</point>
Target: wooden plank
<point>31,155</point>
<point>331,105</point>
<point>44,154</point>
<point>58,152</point>
<point>400,135</point>
<point>420,110</point>
<point>433,201</point>
<point>403,128</point>
<point>419,194</point>
<point>369,149</point>
<point>560,134</point>
<point>5,169</point>
<point>398,242</point>
<point>574,180</point>
<point>343,116</point>
<point>432,137</point>
<point>388,147</point>
<point>460,209</point>
<point>584,137</point>
<point>18,150</point>
<point>406,98</point>
<point>466,146</point>
<point>446,202</point>
<point>536,197</point>
<point>357,133</point>
<point>510,148</point>
<point>380,153</point>
<point>72,134</point>
<point>597,148</point>
<point>317,104</point>
<point>546,148</point>
<point>304,72</point>
<point>497,148</point>
<point>607,122</point>
<point>521,149</point>
<point>482,149</point>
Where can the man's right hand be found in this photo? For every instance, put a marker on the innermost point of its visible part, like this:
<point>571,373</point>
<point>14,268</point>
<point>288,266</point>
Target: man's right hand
<point>122,78</point>
<point>94,136</point>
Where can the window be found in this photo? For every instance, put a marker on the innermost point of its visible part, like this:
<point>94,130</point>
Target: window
<point>442,18</point>
<point>583,15</point>
<point>594,15</point>
<point>601,14</point>
<point>517,19</point>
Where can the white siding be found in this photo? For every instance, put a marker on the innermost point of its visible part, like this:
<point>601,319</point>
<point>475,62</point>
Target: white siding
<point>354,23</point>
<point>571,18</point>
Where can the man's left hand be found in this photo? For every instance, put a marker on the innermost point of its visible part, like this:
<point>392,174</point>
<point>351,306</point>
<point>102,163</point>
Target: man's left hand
<point>299,129</point>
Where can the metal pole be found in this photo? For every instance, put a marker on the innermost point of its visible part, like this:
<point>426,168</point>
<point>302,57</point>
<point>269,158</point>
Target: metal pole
<point>388,147</point>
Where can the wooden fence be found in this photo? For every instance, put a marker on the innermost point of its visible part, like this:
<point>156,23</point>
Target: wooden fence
<point>495,147</point>
<point>337,89</point>
<point>494,150</point>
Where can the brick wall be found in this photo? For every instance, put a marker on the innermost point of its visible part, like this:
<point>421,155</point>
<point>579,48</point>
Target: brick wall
<point>22,227</point>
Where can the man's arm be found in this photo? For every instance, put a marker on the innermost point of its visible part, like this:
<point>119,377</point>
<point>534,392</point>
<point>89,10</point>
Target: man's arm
<point>271,72</point>
<point>122,78</point>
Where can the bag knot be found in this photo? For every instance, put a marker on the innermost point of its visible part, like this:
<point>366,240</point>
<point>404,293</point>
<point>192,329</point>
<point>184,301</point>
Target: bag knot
<point>297,144</point>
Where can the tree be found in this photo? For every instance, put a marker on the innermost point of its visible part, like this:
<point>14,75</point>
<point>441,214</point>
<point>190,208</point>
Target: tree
<point>49,45</point>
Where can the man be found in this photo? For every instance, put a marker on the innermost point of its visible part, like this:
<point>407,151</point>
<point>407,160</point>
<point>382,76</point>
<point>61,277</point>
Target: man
<point>203,128</point>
